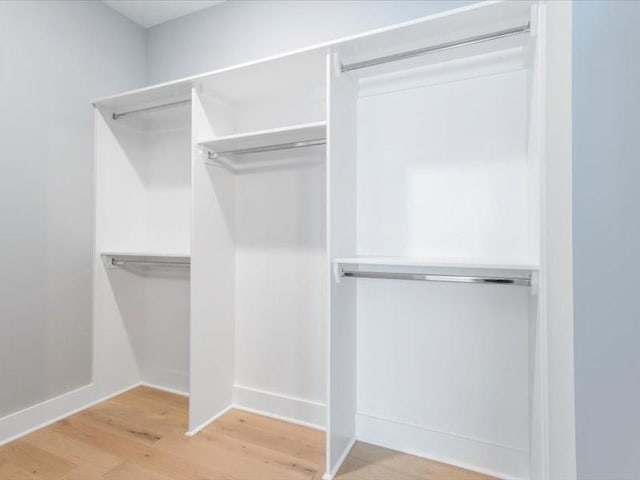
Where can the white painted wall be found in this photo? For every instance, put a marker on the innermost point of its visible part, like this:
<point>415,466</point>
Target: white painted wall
<point>240,31</point>
<point>54,58</point>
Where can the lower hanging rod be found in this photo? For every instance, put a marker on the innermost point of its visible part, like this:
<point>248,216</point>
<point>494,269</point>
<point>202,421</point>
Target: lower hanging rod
<point>270,148</point>
<point>524,281</point>
<point>116,116</point>
<point>438,48</point>
<point>151,263</point>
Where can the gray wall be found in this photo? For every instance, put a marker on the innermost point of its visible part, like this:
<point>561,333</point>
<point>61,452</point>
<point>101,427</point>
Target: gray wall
<point>606,226</point>
<point>240,31</point>
<point>54,58</point>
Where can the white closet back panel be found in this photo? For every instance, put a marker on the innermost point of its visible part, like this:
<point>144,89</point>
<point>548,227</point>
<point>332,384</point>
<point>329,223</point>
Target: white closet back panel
<point>168,178</point>
<point>280,263</point>
<point>143,207</point>
<point>121,208</point>
<point>279,93</point>
<point>165,358</point>
<point>443,371</point>
<point>442,170</point>
<point>443,173</point>
<point>145,182</point>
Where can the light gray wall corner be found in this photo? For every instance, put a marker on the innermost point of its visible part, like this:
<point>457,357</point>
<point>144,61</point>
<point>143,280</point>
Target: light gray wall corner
<point>55,57</point>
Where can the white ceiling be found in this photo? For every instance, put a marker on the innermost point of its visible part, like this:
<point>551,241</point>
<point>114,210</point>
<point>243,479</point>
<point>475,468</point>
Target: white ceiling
<point>148,13</point>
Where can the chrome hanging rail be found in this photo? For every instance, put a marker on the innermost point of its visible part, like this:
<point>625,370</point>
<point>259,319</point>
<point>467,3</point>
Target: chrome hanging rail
<point>438,48</point>
<point>152,263</point>
<point>116,116</point>
<point>525,281</point>
<point>270,148</point>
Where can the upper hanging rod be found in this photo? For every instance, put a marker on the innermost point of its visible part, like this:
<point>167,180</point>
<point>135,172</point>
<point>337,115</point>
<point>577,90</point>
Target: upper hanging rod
<point>121,263</point>
<point>116,116</point>
<point>271,148</point>
<point>437,48</point>
<point>526,281</point>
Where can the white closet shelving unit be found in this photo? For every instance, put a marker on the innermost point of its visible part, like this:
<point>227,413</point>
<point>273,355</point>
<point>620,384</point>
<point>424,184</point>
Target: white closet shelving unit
<point>364,225</point>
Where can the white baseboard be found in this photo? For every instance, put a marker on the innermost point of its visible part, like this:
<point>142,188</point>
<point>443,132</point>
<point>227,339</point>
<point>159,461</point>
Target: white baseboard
<point>164,389</point>
<point>171,381</point>
<point>205,424</point>
<point>484,457</point>
<point>281,407</point>
<point>330,475</point>
<point>24,422</point>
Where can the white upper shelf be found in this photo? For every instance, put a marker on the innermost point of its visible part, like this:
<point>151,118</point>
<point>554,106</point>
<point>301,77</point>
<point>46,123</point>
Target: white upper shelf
<point>476,19</point>
<point>434,263</point>
<point>242,142</point>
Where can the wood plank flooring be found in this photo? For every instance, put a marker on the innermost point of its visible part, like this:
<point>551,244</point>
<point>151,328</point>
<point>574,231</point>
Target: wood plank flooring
<point>139,435</point>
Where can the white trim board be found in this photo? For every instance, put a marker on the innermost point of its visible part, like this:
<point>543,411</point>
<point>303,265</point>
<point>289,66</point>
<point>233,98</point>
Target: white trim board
<point>281,407</point>
<point>18,424</point>
<point>456,450</point>
<point>345,454</point>
<point>164,389</point>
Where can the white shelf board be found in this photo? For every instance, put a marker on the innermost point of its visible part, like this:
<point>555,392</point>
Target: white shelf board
<point>267,138</point>
<point>148,256</point>
<point>419,262</point>
<point>352,47</point>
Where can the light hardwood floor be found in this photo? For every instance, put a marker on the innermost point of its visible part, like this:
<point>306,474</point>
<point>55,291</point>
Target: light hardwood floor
<point>139,435</point>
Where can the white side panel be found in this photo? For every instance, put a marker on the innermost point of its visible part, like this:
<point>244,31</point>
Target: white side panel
<point>538,364</point>
<point>212,282</point>
<point>557,256</point>
<point>280,276</point>
<point>341,188</point>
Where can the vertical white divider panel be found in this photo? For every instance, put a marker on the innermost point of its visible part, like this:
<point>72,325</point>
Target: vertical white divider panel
<point>212,281</point>
<point>341,237</point>
<point>557,255</point>
<point>538,455</point>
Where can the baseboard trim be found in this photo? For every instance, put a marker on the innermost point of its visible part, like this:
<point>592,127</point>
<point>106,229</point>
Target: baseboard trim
<point>279,417</point>
<point>281,407</point>
<point>23,422</point>
<point>164,389</point>
<point>205,424</point>
<point>343,457</point>
<point>483,457</point>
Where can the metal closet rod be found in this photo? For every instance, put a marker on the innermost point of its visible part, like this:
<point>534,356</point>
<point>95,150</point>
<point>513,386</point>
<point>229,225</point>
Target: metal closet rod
<point>271,148</point>
<point>438,48</point>
<point>525,281</point>
<point>116,116</point>
<point>122,263</point>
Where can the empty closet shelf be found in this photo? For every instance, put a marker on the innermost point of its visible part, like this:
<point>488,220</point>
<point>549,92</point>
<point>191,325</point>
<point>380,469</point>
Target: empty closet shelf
<point>146,260</point>
<point>296,136</point>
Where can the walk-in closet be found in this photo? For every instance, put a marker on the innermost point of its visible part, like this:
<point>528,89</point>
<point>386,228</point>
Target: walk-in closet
<point>349,237</point>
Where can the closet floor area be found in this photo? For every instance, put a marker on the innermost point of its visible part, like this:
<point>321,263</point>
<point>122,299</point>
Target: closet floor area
<point>139,435</point>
